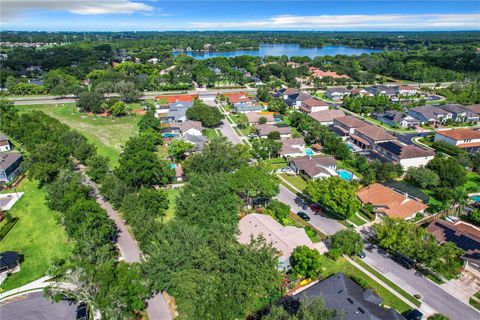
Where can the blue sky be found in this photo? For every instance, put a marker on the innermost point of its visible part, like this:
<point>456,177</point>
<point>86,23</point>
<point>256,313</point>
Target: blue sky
<point>161,15</point>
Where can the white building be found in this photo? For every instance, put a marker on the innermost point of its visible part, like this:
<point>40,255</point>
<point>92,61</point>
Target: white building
<point>4,144</point>
<point>406,155</point>
<point>466,139</point>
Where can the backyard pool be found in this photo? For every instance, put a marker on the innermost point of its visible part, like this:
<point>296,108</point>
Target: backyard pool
<point>169,135</point>
<point>350,146</point>
<point>345,175</point>
<point>476,198</point>
<point>173,165</point>
<point>309,152</point>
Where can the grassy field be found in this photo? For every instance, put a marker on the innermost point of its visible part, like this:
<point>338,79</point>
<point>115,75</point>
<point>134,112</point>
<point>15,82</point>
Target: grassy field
<point>172,196</point>
<point>277,163</point>
<point>295,180</point>
<point>356,220</point>
<point>107,134</point>
<point>37,236</point>
<point>330,267</point>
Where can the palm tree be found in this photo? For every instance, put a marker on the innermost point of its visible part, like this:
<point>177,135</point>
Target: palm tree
<point>460,200</point>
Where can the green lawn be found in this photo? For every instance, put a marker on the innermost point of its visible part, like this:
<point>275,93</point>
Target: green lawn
<point>211,133</point>
<point>295,180</point>
<point>277,163</point>
<point>37,236</point>
<point>388,282</point>
<point>356,220</point>
<point>172,197</point>
<point>330,267</point>
<point>107,134</point>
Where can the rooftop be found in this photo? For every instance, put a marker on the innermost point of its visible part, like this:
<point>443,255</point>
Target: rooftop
<point>351,122</point>
<point>312,102</point>
<point>375,133</point>
<point>178,98</point>
<point>7,159</point>
<point>237,97</point>
<point>390,202</point>
<point>254,117</point>
<point>460,134</point>
<point>327,115</point>
<point>265,129</point>
<point>405,151</point>
<point>314,166</point>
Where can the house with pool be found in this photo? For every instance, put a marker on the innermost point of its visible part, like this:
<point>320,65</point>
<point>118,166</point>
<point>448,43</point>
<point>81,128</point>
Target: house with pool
<point>366,137</point>
<point>408,156</point>
<point>293,147</point>
<point>314,167</point>
<point>345,126</point>
<point>326,117</point>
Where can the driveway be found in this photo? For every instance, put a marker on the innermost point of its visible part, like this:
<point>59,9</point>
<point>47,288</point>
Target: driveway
<point>432,295</point>
<point>35,307</point>
<point>325,225</point>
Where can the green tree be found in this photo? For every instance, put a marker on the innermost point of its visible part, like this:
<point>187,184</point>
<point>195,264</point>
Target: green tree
<point>208,116</point>
<point>60,83</point>
<point>266,148</point>
<point>119,109</point>
<point>251,182</point>
<point>347,241</point>
<point>97,167</point>
<point>127,91</point>
<point>305,262</point>
<point>335,194</point>
<point>149,121</point>
<point>438,316</point>
<point>274,135</point>
<point>277,105</point>
<point>262,120</point>
<point>422,177</point>
<point>90,101</point>
<point>278,209</point>
<point>450,172</point>
<point>178,148</point>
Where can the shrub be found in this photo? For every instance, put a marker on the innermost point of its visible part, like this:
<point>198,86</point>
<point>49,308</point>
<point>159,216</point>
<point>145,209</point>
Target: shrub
<point>334,253</point>
<point>7,227</point>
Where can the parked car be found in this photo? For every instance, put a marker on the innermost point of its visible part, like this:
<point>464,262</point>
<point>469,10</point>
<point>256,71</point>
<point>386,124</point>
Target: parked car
<point>362,255</point>
<point>414,315</point>
<point>82,312</point>
<point>403,260</point>
<point>286,169</point>
<point>303,215</point>
<point>315,208</point>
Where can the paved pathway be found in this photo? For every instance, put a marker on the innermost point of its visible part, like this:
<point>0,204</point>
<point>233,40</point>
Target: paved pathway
<point>36,285</point>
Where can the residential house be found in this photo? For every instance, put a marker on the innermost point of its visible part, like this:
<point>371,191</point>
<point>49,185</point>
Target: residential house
<point>313,105</point>
<point>475,108</point>
<point>198,141</point>
<point>245,107</point>
<point>240,97</point>
<point>176,112</point>
<point>9,262</point>
<point>295,100</point>
<point>4,144</point>
<point>344,126</point>
<point>406,90</point>
<point>283,238</point>
<point>465,236</point>
<point>367,136</point>
<point>395,118</point>
<point>383,90</point>
<point>294,147</point>
<point>167,99</point>
<point>264,129</point>
<point>179,174</point>
<point>360,92</point>
<point>348,299</point>
<point>37,82</point>
<point>390,203</point>
<point>406,155</point>
<point>315,167</point>
<point>337,93</point>
<point>318,73</point>
<point>326,117</point>
<point>430,114</point>
<point>190,127</point>
<point>254,117</point>
<point>293,65</point>
<point>284,93</point>
<point>460,113</point>
<point>10,166</point>
<point>466,139</point>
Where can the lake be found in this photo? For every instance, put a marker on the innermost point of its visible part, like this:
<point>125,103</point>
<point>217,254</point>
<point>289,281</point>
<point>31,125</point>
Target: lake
<point>289,50</point>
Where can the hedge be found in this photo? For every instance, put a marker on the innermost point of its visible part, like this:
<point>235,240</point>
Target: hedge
<point>7,227</point>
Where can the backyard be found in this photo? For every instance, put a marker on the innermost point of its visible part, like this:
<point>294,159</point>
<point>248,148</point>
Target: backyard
<point>107,134</point>
<point>37,236</point>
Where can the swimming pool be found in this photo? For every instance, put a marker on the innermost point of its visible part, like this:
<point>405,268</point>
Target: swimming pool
<point>350,146</point>
<point>345,175</point>
<point>173,165</point>
<point>309,152</point>
<point>169,135</point>
<point>475,198</point>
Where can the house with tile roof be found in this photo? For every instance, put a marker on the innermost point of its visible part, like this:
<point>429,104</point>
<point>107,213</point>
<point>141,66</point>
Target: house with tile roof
<point>390,203</point>
<point>430,114</point>
<point>383,90</point>
<point>396,118</point>
<point>176,98</point>
<point>475,108</point>
<point>348,299</point>
<point>295,100</point>
<point>406,90</point>
<point>283,238</point>
<point>4,144</point>
<point>243,107</point>
<point>337,94</point>
<point>264,129</point>
<point>190,127</point>
<point>408,156</point>
<point>284,93</point>
<point>461,113</point>
<point>466,139</point>
<point>254,118</point>
<point>293,147</point>
<point>326,117</point>
<point>240,97</point>
<point>465,236</point>
<point>318,73</point>
<point>344,126</point>
<point>313,105</point>
<point>367,136</point>
<point>360,92</point>
<point>314,167</point>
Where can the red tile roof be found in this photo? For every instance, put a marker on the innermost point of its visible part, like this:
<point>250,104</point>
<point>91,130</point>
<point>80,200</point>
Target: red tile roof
<point>237,97</point>
<point>178,98</point>
<point>460,134</point>
<point>320,73</point>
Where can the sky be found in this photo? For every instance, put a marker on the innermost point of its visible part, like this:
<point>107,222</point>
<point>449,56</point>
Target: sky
<point>162,15</point>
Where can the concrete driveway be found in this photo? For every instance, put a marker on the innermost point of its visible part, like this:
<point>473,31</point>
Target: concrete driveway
<point>35,307</point>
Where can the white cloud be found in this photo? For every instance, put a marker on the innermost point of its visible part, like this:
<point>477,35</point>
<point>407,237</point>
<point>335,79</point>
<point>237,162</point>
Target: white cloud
<point>353,22</point>
<point>13,9</point>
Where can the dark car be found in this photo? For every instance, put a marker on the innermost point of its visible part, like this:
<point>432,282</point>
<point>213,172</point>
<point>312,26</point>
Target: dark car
<point>82,312</point>
<point>403,260</point>
<point>362,255</point>
<point>303,215</point>
<point>414,315</point>
<point>315,208</point>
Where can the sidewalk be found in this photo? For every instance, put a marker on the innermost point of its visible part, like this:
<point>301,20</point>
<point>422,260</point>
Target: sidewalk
<point>36,285</point>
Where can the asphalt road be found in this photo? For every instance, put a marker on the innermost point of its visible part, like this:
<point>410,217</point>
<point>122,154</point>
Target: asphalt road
<point>325,225</point>
<point>36,307</point>
<point>413,283</point>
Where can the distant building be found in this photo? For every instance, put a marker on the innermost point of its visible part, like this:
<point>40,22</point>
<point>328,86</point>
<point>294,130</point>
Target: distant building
<point>315,167</point>
<point>313,105</point>
<point>406,90</point>
<point>430,114</point>
<point>245,107</point>
<point>284,93</point>
<point>346,125</point>
<point>295,100</point>
<point>337,93</point>
<point>254,118</point>
<point>4,144</point>
<point>318,73</point>
<point>406,155</point>
<point>350,300</point>
<point>383,90</point>
<point>283,238</point>
<point>326,117</point>
<point>367,136</point>
<point>294,147</point>
<point>10,166</point>
<point>466,139</point>
<point>360,92</point>
<point>395,118</point>
<point>264,129</point>
<point>390,203</point>
<point>460,113</point>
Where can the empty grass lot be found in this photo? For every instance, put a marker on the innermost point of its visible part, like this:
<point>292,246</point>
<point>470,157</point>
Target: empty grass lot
<point>107,134</point>
<point>37,236</point>
<point>172,195</point>
<point>295,181</point>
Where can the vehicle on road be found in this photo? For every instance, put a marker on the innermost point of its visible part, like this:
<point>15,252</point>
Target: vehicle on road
<point>403,260</point>
<point>303,215</point>
<point>82,312</point>
<point>286,169</point>
<point>362,255</point>
<point>414,315</point>
<point>315,208</point>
